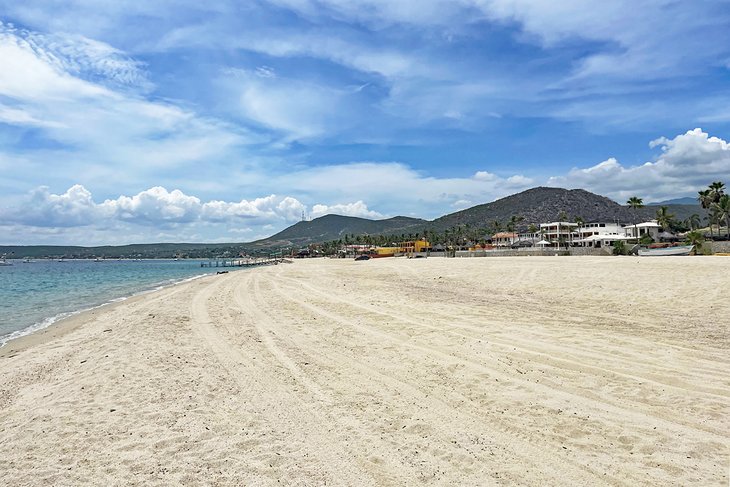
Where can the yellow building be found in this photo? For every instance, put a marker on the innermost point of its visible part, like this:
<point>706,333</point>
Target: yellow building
<point>414,246</point>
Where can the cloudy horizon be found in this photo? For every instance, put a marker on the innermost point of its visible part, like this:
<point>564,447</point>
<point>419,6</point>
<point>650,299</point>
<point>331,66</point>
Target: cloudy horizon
<point>128,123</point>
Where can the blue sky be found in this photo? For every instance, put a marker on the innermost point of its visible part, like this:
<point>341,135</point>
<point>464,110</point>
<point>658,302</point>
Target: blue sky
<point>125,121</point>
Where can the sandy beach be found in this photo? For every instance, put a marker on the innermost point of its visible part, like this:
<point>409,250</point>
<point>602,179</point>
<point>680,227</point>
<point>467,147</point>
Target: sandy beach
<point>492,371</point>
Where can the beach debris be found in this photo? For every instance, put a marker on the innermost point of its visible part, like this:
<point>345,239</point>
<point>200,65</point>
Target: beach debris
<point>107,330</point>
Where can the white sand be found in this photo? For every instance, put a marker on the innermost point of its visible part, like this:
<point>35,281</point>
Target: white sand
<point>502,371</point>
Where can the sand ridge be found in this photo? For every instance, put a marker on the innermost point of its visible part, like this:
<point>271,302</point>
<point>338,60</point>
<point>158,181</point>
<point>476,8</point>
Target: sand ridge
<point>510,371</point>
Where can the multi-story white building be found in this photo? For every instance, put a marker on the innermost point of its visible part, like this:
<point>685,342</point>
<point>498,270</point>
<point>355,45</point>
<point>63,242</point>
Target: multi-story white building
<point>559,233</point>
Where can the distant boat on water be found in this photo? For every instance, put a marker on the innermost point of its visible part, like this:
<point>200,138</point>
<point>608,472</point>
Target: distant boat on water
<point>4,261</point>
<point>679,250</point>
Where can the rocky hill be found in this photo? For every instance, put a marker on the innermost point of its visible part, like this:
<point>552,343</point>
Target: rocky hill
<point>541,205</point>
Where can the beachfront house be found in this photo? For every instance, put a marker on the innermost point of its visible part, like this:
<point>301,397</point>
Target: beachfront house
<point>597,234</point>
<point>559,234</point>
<point>527,239</point>
<point>504,239</point>
<point>650,228</point>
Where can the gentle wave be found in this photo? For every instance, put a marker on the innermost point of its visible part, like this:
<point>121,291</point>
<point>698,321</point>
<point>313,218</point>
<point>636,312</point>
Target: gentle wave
<point>45,323</point>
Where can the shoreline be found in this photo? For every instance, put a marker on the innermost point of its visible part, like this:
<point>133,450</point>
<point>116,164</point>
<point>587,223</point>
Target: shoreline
<point>68,320</point>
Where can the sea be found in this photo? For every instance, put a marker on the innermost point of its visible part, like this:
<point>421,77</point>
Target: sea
<point>36,294</point>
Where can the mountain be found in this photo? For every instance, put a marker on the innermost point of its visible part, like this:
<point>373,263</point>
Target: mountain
<point>687,200</point>
<point>542,205</point>
<point>539,205</point>
<point>334,227</point>
<point>536,205</point>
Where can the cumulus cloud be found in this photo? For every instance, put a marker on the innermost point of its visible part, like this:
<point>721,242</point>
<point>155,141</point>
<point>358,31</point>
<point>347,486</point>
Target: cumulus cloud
<point>73,208</point>
<point>358,208</point>
<point>153,207</point>
<point>686,163</point>
<point>269,208</point>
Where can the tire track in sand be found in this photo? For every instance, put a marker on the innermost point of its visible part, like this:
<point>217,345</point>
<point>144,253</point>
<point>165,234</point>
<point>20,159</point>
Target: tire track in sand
<point>612,414</point>
<point>559,468</point>
<point>242,371</point>
<point>601,401</point>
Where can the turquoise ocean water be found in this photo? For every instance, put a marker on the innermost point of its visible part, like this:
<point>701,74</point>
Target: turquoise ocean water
<point>36,294</point>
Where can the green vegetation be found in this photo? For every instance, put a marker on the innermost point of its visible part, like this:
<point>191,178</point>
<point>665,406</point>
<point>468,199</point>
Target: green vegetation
<point>635,203</point>
<point>620,248</point>
<point>665,218</point>
<point>695,238</point>
<point>721,209</point>
<point>714,200</point>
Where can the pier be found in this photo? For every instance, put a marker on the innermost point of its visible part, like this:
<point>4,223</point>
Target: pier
<point>245,262</point>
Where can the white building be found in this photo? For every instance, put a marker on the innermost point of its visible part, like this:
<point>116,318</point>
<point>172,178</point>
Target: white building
<point>527,239</point>
<point>504,239</point>
<point>596,234</point>
<point>560,234</point>
<point>650,228</point>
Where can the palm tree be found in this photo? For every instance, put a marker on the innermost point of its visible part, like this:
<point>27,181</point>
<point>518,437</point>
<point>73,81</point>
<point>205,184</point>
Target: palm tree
<point>717,190</point>
<point>664,218</point>
<point>722,212</point>
<point>706,198</point>
<point>695,238</point>
<point>580,221</point>
<point>635,203</point>
<point>693,221</point>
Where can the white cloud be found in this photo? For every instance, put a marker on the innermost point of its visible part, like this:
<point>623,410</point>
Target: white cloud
<point>75,207</point>
<point>153,207</point>
<point>268,208</point>
<point>358,209</point>
<point>301,109</point>
<point>396,188</point>
<point>98,126</point>
<point>485,176</point>
<point>686,164</point>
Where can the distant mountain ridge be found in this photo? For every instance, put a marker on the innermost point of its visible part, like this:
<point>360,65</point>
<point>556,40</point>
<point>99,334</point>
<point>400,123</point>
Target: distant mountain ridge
<point>687,200</point>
